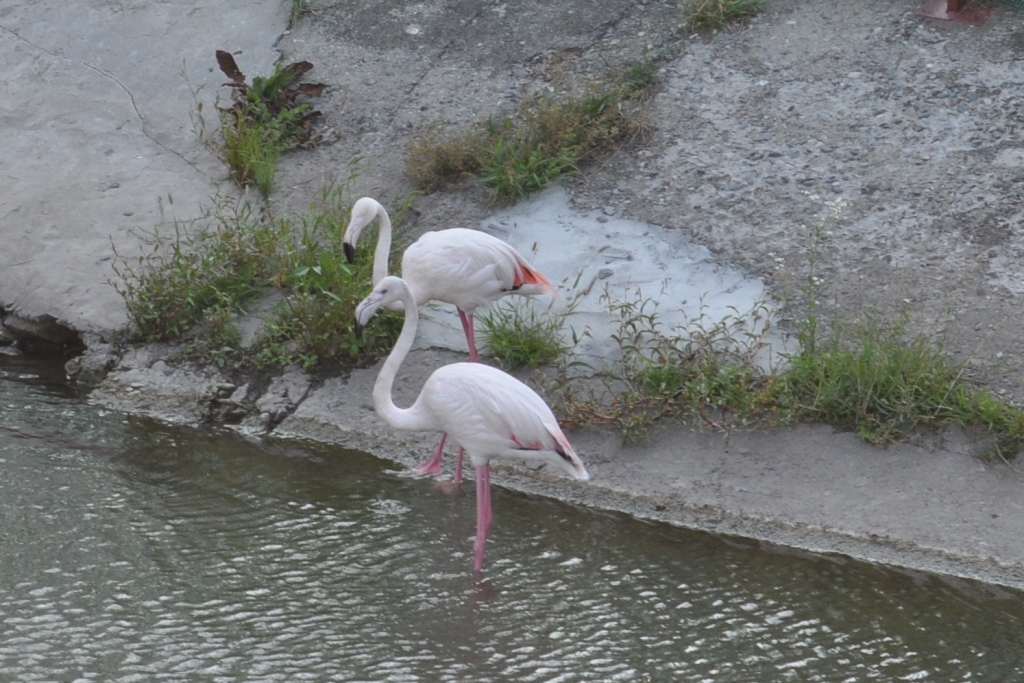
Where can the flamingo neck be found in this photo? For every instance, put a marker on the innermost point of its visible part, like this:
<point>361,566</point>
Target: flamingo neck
<point>400,418</point>
<point>383,250</point>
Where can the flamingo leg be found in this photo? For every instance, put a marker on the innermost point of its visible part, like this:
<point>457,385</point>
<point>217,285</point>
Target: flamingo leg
<point>490,510</point>
<point>483,513</point>
<point>467,327</point>
<point>433,466</point>
<point>458,467</point>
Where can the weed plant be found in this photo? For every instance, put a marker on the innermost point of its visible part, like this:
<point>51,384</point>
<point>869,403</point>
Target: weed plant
<point>550,136</point>
<point>265,119</point>
<point>194,285</point>
<point>208,268</point>
<point>519,335</point>
<point>251,151</point>
<point>884,384</point>
<point>703,370</point>
<point>711,14</point>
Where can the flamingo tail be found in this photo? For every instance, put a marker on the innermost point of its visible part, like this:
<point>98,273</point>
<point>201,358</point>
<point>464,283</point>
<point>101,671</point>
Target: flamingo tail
<point>531,281</point>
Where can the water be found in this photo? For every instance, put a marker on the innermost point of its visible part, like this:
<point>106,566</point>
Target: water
<point>135,551</point>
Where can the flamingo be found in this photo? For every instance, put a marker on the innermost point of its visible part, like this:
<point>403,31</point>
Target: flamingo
<point>466,268</point>
<point>486,411</point>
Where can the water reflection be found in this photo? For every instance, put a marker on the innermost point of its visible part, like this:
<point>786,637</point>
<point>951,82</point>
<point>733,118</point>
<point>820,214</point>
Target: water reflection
<point>132,551</point>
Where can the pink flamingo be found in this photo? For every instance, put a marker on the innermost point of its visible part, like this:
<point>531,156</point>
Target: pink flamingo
<point>466,268</point>
<point>488,412</point>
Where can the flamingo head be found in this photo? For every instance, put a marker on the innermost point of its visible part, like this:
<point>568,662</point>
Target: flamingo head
<point>571,463</point>
<point>386,293</point>
<point>559,454</point>
<point>363,213</point>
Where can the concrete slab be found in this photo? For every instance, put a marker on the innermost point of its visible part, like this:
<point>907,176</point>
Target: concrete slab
<point>598,257</point>
<point>96,137</point>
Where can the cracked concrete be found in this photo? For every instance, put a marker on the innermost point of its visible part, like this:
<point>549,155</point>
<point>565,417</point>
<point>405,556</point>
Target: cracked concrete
<point>97,141</point>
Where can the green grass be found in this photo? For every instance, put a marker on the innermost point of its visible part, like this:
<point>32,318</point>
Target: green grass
<point>873,379</point>
<point>884,384</point>
<point>265,119</point>
<point>194,285</point>
<point>549,136</point>
<point>704,370</point>
<point>711,14</point>
<point>519,334</point>
<point>206,267</point>
<point>251,150</point>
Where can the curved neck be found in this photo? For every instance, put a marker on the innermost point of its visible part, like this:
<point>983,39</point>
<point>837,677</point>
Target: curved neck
<point>402,418</point>
<point>383,250</point>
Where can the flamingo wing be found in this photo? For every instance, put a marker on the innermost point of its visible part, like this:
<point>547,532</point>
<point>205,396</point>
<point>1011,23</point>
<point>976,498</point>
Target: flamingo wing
<point>490,413</point>
<point>468,268</point>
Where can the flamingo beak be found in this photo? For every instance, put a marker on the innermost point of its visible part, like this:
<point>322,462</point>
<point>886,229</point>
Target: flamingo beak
<point>365,310</point>
<point>350,252</point>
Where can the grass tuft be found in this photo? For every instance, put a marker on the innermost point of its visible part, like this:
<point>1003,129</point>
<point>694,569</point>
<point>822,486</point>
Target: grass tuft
<point>885,385</point>
<point>703,370</point>
<point>251,151</point>
<point>264,120</point>
<point>195,285</point>
<point>549,136</point>
<point>518,335</point>
<point>711,14</point>
<point>208,267</point>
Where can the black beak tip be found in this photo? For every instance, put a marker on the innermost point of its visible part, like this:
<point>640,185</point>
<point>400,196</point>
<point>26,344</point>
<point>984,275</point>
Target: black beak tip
<point>350,252</point>
<point>358,329</point>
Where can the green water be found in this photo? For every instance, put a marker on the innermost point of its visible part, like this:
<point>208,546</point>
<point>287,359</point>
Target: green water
<point>135,551</point>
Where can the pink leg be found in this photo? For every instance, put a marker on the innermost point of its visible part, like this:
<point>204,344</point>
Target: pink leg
<point>483,513</point>
<point>467,327</point>
<point>433,466</point>
<point>490,510</point>
<point>458,467</point>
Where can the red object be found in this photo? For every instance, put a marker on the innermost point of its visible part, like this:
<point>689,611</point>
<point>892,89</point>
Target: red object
<point>956,10</point>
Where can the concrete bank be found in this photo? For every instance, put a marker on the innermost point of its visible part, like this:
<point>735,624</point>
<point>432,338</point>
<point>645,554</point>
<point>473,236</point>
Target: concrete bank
<point>932,507</point>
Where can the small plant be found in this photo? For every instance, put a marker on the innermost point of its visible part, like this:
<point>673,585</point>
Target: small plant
<point>251,151</point>
<point>513,167</point>
<point>212,264</point>
<point>704,369</point>
<point>705,14</point>
<point>434,161</point>
<point>639,79</point>
<point>264,120</point>
<point>216,338</point>
<point>550,136</point>
<point>885,385</point>
<point>873,380</point>
<point>519,335</point>
<point>194,285</point>
<point>296,8</point>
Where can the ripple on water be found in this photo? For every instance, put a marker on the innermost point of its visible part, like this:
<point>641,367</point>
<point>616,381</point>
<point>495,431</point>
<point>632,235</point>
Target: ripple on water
<point>139,552</point>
